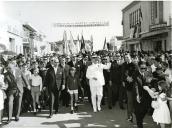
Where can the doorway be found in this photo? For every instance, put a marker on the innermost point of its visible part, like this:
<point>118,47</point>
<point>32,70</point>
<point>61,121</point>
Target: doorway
<point>158,46</point>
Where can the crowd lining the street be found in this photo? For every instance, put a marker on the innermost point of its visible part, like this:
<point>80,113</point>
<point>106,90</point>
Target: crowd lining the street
<point>142,80</point>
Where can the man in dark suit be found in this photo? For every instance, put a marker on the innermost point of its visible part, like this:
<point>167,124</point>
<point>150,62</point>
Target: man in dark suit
<point>84,63</point>
<point>115,83</point>
<point>141,93</point>
<point>106,74</point>
<point>15,80</point>
<point>54,82</point>
<point>65,96</point>
<point>73,61</point>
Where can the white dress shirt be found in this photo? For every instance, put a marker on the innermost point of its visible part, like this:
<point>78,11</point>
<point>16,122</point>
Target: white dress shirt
<point>36,80</point>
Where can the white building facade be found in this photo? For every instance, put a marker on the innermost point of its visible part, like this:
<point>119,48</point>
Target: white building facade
<point>11,35</point>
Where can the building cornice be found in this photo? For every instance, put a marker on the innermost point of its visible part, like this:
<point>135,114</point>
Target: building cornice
<point>130,5</point>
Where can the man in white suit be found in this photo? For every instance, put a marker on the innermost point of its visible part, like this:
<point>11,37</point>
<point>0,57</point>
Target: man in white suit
<point>96,81</point>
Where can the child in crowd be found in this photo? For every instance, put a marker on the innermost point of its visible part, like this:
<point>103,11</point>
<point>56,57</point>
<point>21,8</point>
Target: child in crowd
<point>161,114</point>
<point>72,86</point>
<point>36,87</point>
<point>2,94</point>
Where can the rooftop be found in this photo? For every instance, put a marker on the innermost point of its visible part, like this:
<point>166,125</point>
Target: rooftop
<point>130,5</point>
<point>29,27</point>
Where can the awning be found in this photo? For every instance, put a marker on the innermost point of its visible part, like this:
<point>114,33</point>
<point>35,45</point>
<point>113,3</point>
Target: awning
<point>153,33</point>
<point>132,41</point>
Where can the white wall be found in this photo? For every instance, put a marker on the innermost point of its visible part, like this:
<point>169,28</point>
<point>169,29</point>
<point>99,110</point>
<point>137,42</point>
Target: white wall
<point>11,28</point>
<point>167,6</point>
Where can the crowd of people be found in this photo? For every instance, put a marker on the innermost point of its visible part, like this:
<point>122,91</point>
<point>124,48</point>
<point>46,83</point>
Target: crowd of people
<point>142,80</point>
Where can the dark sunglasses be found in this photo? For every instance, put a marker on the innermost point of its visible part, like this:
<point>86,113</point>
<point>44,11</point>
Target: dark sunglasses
<point>143,68</point>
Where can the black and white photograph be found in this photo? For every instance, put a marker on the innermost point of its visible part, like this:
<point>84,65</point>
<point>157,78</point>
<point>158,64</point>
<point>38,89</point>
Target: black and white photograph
<point>85,64</point>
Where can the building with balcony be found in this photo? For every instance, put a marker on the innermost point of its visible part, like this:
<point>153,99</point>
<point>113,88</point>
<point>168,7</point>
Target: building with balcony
<point>11,35</point>
<point>28,35</point>
<point>33,41</point>
<point>147,26</point>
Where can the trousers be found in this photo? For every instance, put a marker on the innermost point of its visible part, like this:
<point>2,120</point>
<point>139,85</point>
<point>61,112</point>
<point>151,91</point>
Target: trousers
<point>140,110</point>
<point>14,97</point>
<point>96,96</point>
<point>54,100</point>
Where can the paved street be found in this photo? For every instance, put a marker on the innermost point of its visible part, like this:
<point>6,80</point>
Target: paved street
<point>84,118</point>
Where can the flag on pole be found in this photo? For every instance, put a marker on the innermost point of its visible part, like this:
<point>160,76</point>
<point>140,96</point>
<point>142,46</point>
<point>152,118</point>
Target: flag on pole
<point>91,39</point>
<point>64,42</point>
<point>105,45</point>
<point>64,36</point>
<point>78,45</point>
<point>82,43</point>
<point>140,14</point>
<point>140,20</point>
<point>66,50</point>
<point>72,47</point>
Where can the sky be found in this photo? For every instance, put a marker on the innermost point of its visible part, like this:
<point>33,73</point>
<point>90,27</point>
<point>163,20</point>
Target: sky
<point>43,14</point>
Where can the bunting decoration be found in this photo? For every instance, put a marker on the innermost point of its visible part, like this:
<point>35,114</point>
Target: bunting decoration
<point>91,39</point>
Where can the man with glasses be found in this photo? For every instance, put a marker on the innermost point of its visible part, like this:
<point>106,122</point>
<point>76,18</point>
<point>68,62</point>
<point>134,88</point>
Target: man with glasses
<point>141,93</point>
<point>53,81</point>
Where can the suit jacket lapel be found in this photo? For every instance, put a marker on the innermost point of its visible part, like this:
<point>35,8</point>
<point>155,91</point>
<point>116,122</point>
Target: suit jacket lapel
<point>12,78</point>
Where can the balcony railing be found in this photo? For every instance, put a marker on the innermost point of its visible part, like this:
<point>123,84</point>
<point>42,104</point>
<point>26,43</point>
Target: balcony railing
<point>158,26</point>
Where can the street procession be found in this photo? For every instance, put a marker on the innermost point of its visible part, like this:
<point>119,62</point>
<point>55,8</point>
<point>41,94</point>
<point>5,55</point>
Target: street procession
<point>74,64</point>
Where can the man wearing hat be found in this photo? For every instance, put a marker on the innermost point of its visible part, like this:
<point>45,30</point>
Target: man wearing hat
<point>96,80</point>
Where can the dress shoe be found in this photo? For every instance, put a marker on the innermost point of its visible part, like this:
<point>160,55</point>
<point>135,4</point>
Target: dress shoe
<point>35,113</point>
<point>8,121</point>
<point>103,103</point>
<point>99,109</point>
<point>71,112</point>
<point>95,111</point>
<point>16,119</point>
<point>76,108</point>
<point>56,111</point>
<point>110,107</point>
<point>50,116</point>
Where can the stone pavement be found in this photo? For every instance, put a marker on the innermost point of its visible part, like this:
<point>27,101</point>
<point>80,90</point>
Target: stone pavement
<point>85,118</point>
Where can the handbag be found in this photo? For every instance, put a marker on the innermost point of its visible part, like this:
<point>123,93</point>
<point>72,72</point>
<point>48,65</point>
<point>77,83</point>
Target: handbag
<point>155,104</point>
